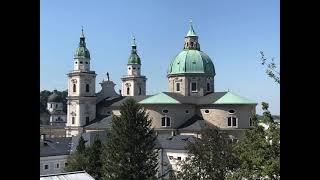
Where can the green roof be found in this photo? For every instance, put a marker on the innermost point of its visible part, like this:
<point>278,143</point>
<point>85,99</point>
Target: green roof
<point>82,51</point>
<point>134,57</point>
<point>160,98</point>
<point>231,98</point>
<point>191,31</point>
<point>191,61</point>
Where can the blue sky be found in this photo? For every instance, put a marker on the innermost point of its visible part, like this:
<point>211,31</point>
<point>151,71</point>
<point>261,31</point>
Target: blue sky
<point>231,32</point>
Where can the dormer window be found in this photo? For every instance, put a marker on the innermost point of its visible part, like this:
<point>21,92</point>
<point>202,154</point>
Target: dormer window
<point>165,111</point>
<point>231,111</point>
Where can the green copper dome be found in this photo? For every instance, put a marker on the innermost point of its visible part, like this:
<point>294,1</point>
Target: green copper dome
<point>134,57</point>
<point>191,61</point>
<point>82,51</point>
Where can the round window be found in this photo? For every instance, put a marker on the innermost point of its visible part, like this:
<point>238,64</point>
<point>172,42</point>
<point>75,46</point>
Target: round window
<point>206,111</point>
<point>165,111</point>
<point>187,111</point>
<point>231,111</point>
<point>76,62</point>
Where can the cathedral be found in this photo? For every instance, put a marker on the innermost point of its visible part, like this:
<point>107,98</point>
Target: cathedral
<point>190,104</point>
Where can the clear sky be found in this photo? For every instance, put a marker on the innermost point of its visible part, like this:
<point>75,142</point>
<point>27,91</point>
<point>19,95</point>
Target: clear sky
<point>231,32</point>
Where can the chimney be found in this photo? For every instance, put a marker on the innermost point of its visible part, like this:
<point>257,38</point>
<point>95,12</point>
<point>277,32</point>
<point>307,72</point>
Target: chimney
<point>43,137</point>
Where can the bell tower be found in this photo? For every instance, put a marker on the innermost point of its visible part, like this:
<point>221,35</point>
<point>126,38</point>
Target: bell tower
<point>133,84</point>
<point>81,105</point>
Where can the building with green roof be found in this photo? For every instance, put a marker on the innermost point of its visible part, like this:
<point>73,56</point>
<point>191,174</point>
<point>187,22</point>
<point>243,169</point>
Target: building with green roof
<point>191,99</point>
<point>191,72</point>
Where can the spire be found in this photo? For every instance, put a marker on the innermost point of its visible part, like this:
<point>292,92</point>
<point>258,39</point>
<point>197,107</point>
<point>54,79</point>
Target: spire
<point>134,45</point>
<point>191,30</point>
<point>133,41</point>
<point>82,39</point>
<point>134,58</point>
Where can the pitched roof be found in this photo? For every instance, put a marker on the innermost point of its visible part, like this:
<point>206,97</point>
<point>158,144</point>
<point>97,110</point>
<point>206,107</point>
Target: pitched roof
<point>55,146</point>
<point>160,98</point>
<point>123,99</point>
<point>178,142</point>
<point>231,98</point>
<point>77,175</point>
<point>101,124</point>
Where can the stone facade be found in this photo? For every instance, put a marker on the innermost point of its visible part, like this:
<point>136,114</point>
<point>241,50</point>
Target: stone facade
<point>218,114</point>
<point>204,84</point>
<point>53,164</point>
<point>133,85</point>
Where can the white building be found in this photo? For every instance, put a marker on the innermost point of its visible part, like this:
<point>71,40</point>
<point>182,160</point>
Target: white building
<point>54,153</point>
<point>77,175</point>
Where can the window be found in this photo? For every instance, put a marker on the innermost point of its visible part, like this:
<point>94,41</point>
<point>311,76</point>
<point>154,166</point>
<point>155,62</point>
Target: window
<point>194,87</point>
<point>232,121</point>
<point>87,63</point>
<point>73,119</point>
<point>231,111</point>
<point>187,112</point>
<point>191,44</point>
<point>57,165</point>
<point>170,157</point>
<point>56,105</point>
<point>51,105</point>
<point>76,62</point>
<point>46,166</point>
<point>128,91</point>
<point>177,86</point>
<point>166,121</point>
<point>129,68</point>
<point>65,164</point>
<point>208,86</point>
<point>74,87</point>
<point>165,111</point>
<point>179,158</point>
<point>80,62</point>
<point>87,120</point>
<point>139,90</point>
<point>206,111</point>
<point>133,68</point>
<point>87,87</point>
<point>251,123</point>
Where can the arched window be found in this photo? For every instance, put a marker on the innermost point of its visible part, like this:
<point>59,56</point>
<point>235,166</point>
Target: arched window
<point>177,87</point>
<point>191,44</point>
<point>56,105</point>
<point>208,86</point>
<point>50,105</point>
<point>139,90</point>
<point>128,90</point>
<point>193,87</point>
<point>87,87</point>
<point>74,87</point>
<point>73,119</point>
<point>232,121</point>
<point>165,121</point>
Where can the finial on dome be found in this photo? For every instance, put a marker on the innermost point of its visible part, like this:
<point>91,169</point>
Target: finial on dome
<point>133,40</point>
<point>82,34</point>
<point>191,31</point>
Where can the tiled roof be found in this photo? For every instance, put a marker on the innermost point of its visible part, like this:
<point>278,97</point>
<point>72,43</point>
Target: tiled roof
<point>55,146</point>
<point>178,142</point>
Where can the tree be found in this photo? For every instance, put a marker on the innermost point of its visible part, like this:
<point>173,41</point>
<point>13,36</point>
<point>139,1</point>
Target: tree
<point>271,68</point>
<point>94,167</point>
<point>78,161</point>
<point>208,158</point>
<point>130,151</point>
<point>44,99</point>
<point>259,151</point>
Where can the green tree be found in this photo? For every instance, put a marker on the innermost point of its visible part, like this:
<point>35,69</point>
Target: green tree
<point>271,68</point>
<point>94,167</point>
<point>208,158</point>
<point>44,99</point>
<point>259,151</point>
<point>130,151</point>
<point>78,161</point>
